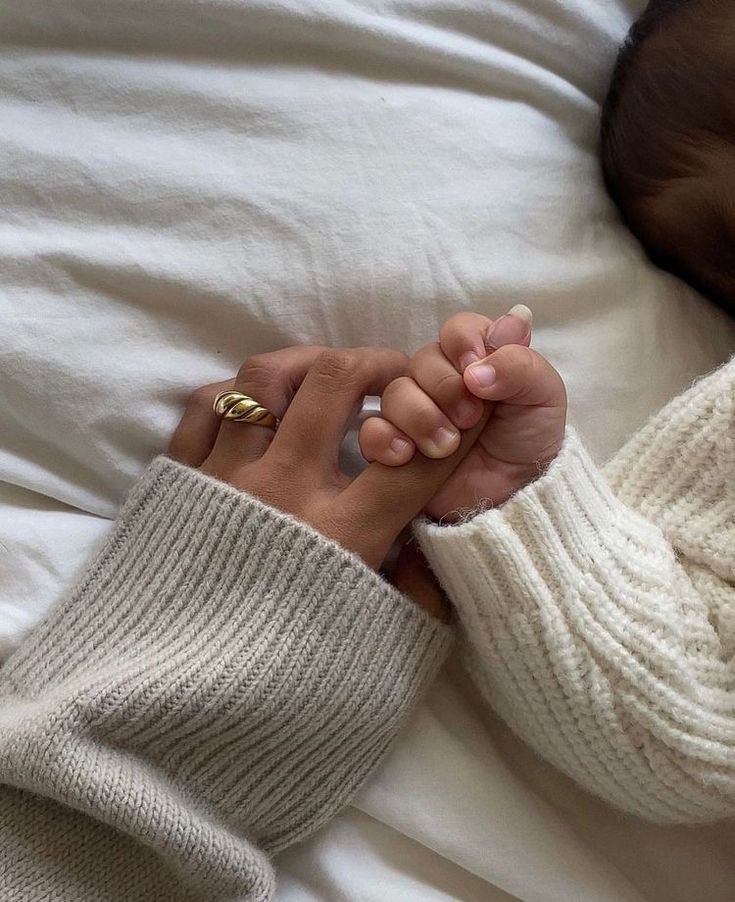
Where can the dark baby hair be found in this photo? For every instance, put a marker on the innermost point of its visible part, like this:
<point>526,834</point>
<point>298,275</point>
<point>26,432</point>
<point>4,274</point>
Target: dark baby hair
<point>668,140</point>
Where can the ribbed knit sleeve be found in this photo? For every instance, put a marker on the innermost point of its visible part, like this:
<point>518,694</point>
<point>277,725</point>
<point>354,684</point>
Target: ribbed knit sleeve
<point>601,624</point>
<point>220,683</point>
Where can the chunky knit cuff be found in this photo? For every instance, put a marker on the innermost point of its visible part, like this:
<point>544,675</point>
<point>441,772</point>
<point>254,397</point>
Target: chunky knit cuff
<point>592,640</point>
<point>679,472</point>
<point>222,676</point>
<point>529,547</point>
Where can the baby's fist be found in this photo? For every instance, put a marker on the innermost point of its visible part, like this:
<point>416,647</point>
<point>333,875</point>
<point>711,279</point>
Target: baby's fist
<point>455,384</point>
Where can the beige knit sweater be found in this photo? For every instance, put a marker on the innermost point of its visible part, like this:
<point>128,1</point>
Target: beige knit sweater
<point>598,610</point>
<point>220,683</point>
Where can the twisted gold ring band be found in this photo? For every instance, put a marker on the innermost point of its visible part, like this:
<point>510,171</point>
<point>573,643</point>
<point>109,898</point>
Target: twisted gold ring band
<point>240,408</point>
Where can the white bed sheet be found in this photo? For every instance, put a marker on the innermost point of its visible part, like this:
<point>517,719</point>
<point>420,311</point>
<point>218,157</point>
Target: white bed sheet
<point>185,182</point>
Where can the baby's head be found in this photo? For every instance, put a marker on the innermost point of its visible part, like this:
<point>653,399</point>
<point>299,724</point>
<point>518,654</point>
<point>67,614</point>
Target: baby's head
<point>668,140</point>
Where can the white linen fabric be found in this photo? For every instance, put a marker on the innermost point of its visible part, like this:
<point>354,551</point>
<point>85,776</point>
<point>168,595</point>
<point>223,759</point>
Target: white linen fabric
<point>186,182</point>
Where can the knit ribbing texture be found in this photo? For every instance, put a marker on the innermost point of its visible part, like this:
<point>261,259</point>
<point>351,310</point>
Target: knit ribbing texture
<point>221,682</point>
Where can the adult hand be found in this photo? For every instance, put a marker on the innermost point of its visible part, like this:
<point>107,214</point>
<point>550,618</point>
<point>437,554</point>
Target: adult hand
<point>316,393</point>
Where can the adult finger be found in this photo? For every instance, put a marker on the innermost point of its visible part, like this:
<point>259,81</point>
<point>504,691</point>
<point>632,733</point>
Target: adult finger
<point>272,379</point>
<point>467,337</point>
<point>432,371</point>
<point>380,440</point>
<point>411,410</point>
<point>379,503</point>
<point>197,431</point>
<point>414,578</point>
<point>516,375</point>
<point>332,391</point>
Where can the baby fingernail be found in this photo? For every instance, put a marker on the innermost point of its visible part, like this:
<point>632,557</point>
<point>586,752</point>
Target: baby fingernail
<point>523,313</point>
<point>399,446</point>
<point>510,328</point>
<point>483,374</point>
<point>442,442</point>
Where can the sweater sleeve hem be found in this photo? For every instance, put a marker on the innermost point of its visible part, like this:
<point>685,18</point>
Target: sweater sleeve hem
<point>222,658</point>
<point>187,546</point>
<point>587,635</point>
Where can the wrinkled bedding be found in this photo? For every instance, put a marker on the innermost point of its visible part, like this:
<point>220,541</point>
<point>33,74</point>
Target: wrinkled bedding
<point>186,182</point>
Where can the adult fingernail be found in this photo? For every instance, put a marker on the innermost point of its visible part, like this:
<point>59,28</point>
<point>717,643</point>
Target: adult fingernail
<point>399,446</point>
<point>510,328</point>
<point>442,443</point>
<point>467,359</point>
<point>483,374</point>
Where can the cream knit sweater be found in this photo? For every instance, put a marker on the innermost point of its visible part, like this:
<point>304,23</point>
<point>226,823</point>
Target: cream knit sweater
<point>598,611</point>
<point>220,683</point>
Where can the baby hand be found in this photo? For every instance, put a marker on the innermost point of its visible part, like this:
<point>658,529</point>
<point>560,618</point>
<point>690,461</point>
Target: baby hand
<point>448,388</point>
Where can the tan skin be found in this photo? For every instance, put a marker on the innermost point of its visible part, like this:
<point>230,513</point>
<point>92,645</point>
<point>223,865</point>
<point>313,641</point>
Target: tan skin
<point>316,391</point>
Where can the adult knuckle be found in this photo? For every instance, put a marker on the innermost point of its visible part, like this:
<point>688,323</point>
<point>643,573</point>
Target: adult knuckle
<point>420,359</point>
<point>337,366</point>
<point>200,398</point>
<point>399,360</point>
<point>259,371</point>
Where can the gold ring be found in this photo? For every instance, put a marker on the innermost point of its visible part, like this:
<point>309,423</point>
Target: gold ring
<point>240,408</point>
